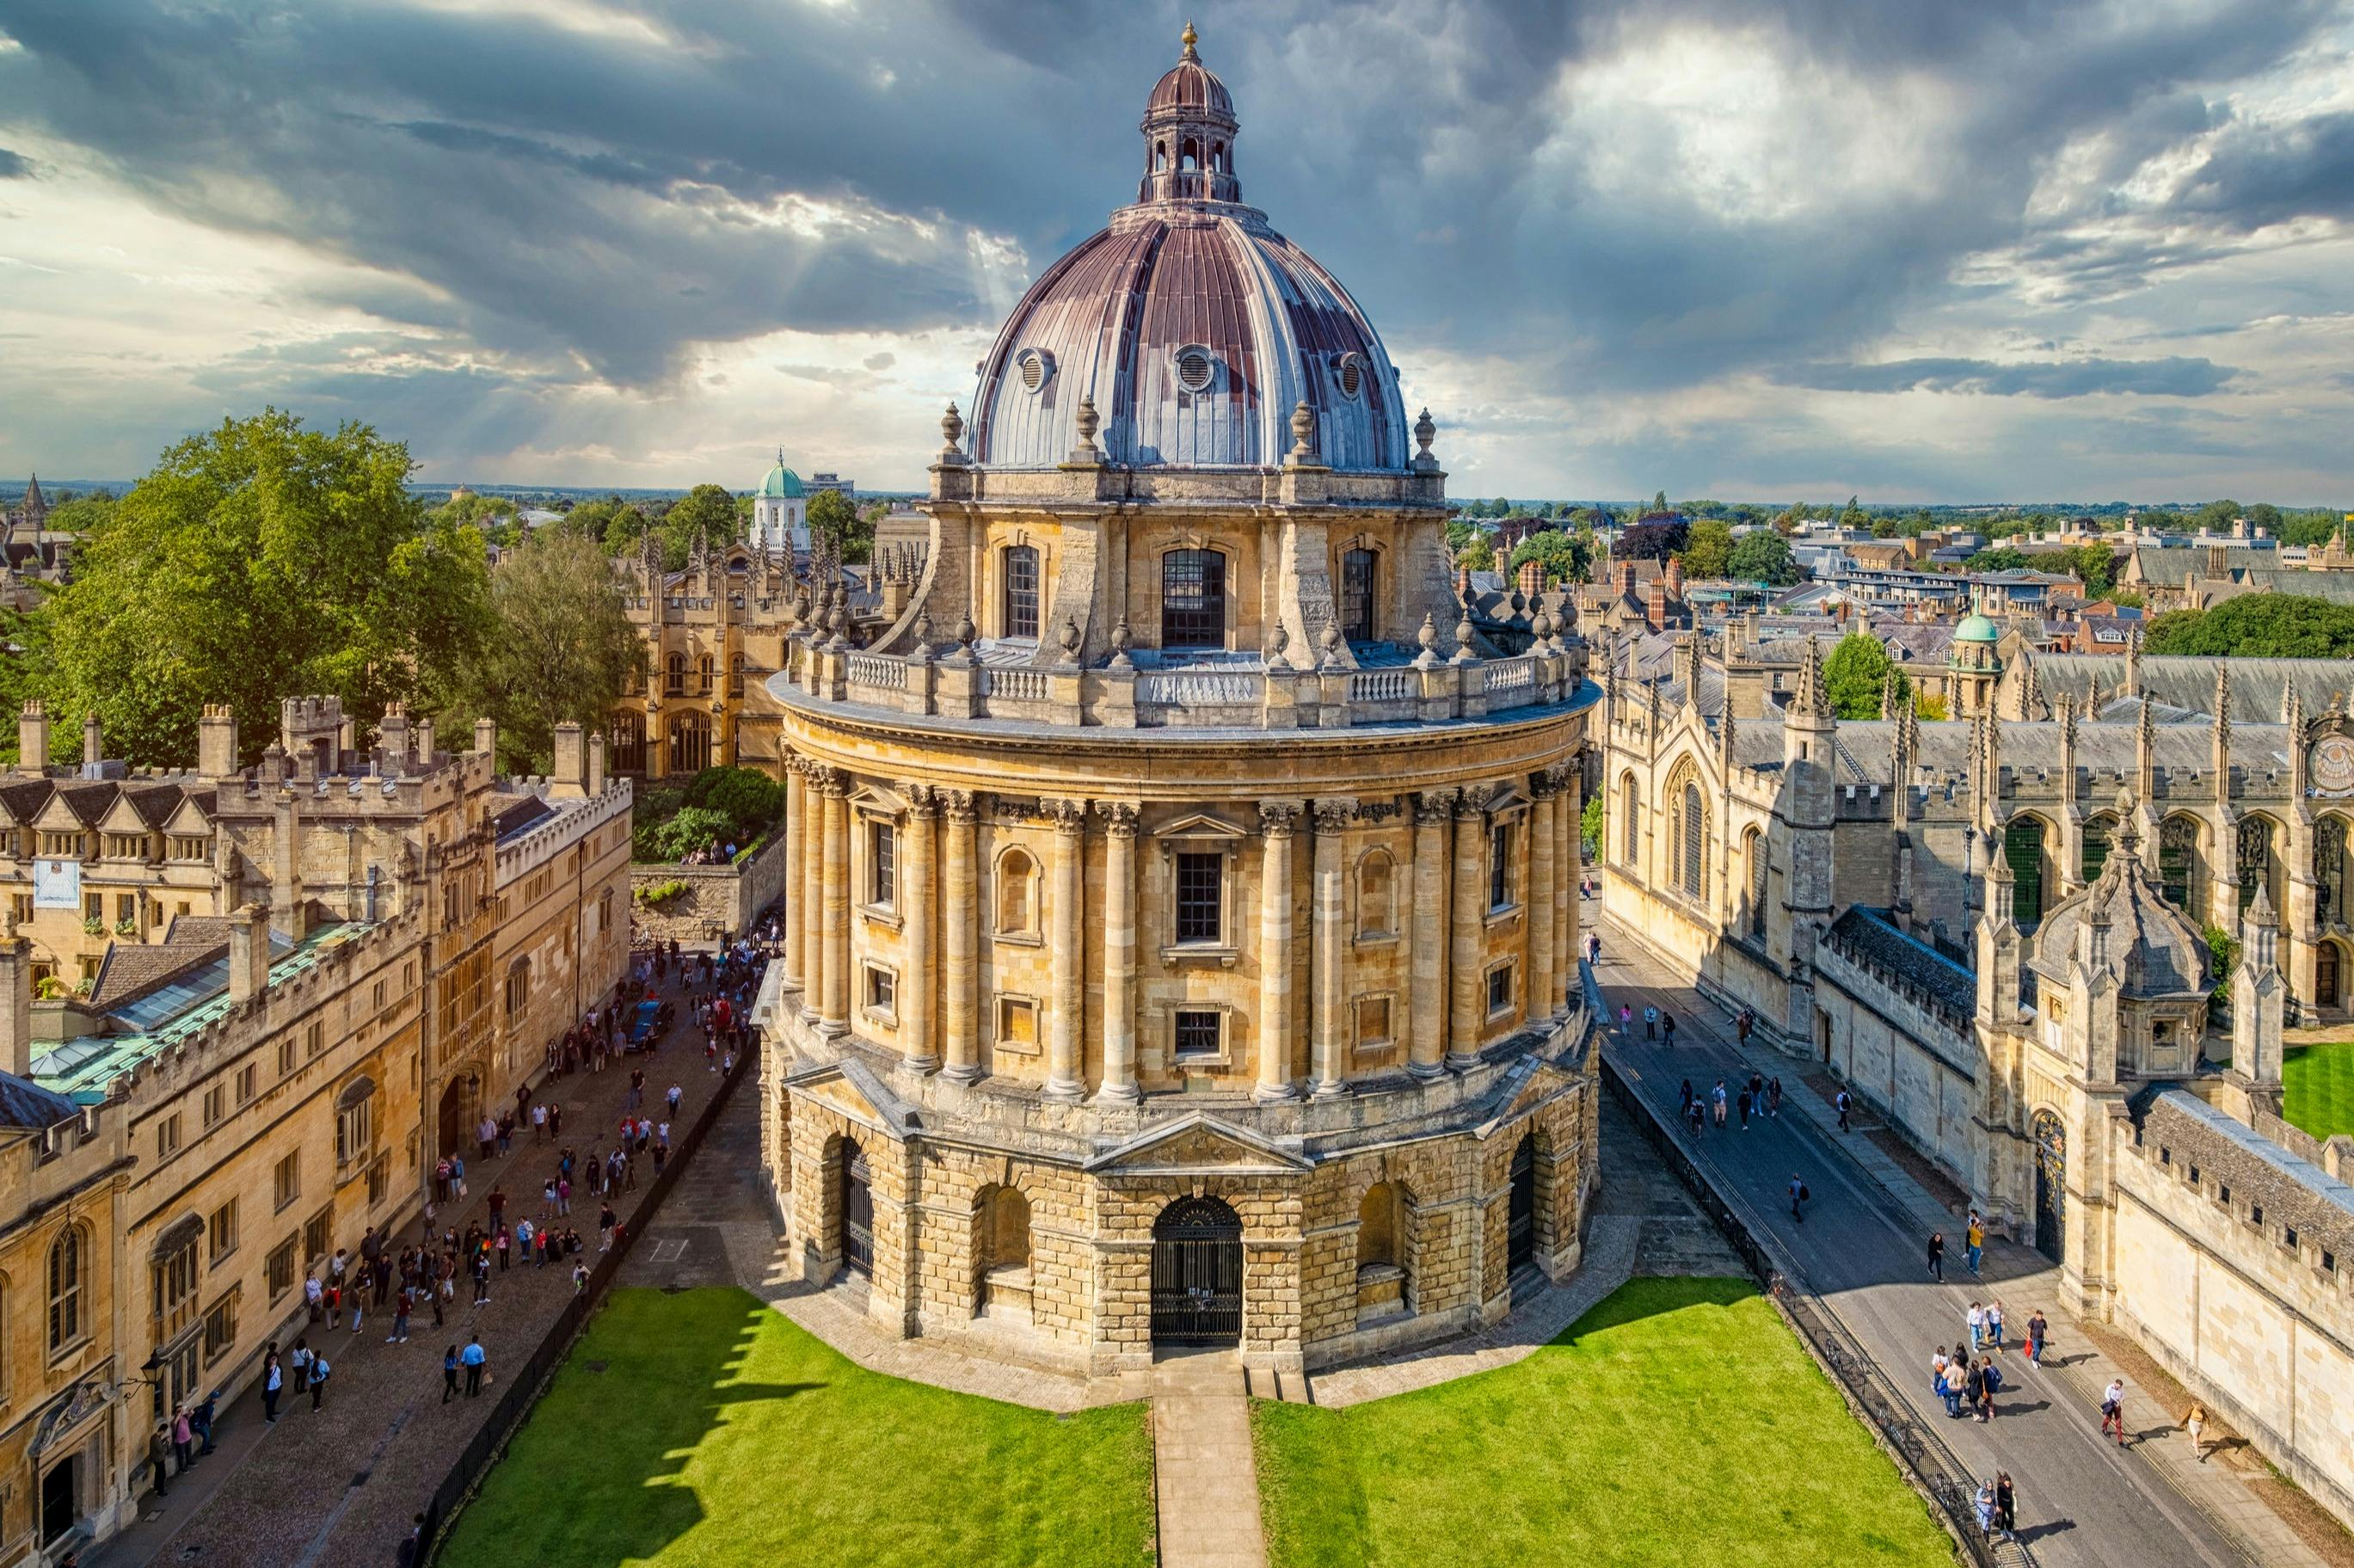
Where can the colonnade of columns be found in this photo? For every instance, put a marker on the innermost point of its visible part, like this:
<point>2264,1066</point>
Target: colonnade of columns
<point>1446,968</point>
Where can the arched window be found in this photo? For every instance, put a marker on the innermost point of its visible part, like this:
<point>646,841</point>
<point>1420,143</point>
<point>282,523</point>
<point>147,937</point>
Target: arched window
<point>2254,849</point>
<point>1377,908</point>
<point>1695,830</point>
<point>1188,155</point>
<point>675,675</point>
<point>2179,872</point>
<point>1631,828</point>
<point>1159,156</point>
<point>1754,847</point>
<point>2096,844</point>
<point>1021,590</point>
<point>66,1324</point>
<point>1017,907</point>
<point>2022,846</point>
<point>703,668</point>
<point>1357,596</point>
<point>736,674</point>
<point>1193,599</point>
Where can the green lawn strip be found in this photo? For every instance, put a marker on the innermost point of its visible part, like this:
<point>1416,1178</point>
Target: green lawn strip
<point>720,1433</point>
<point>2320,1080</point>
<point>1679,1422</point>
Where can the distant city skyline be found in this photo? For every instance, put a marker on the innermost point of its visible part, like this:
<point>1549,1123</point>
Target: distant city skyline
<point>1747,252</point>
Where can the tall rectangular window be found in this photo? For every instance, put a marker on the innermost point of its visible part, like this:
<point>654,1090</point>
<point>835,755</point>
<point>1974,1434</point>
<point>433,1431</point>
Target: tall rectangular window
<point>1199,897</point>
<point>882,853</point>
<point>1499,989</point>
<point>1357,596</point>
<point>1022,592</point>
<point>1193,599</point>
<point>1500,866</point>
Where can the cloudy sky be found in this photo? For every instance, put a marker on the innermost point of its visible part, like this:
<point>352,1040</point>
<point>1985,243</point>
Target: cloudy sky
<point>1925,250</point>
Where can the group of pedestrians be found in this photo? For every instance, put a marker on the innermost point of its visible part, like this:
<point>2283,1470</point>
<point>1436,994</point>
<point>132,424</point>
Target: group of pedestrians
<point>1760,1096</point>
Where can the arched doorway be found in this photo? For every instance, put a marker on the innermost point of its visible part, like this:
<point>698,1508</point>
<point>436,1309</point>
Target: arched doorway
<point>455,1124</point>
<point>60,1498</point>
<point>2050,1184</point>
<point>857,1211</point>
<point>1521,1228</point>
<point>2328,991</point>
<point>1197,1274</point>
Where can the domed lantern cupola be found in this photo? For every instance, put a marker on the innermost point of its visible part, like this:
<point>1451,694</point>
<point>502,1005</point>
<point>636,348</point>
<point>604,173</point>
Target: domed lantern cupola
<point>1189,135</point>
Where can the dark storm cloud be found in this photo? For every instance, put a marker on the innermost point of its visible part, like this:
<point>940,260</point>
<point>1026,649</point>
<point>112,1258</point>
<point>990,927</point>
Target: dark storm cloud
<point>2171,377</point>
<point>589,202</point>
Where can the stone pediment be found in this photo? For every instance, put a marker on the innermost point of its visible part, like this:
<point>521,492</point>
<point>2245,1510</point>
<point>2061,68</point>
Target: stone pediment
<point>1198,1144</point>
<point>850,1088</point>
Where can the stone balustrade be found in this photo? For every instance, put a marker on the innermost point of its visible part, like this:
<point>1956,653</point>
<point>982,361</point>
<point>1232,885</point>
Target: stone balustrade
<point>961,687</point>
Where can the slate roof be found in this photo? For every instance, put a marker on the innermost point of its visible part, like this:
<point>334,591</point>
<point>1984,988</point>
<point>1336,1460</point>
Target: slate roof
<point>24,1104</point>
<point>1871,934</point>
<point>2188,682</point>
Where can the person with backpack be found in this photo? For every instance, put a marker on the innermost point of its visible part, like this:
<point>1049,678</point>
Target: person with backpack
<point>2113,1410</point>
<point>319,1370</point>
<point>1798,1194</point>
<point>449,1374</point>
<point>1843,1107</point>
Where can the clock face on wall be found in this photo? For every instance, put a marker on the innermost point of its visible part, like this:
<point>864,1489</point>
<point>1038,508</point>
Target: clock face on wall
<point>2330,766</point>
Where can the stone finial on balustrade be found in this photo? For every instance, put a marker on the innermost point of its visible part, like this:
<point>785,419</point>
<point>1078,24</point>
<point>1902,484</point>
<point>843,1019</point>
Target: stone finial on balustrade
<point>1329,638</point>
<point>951,436</point>
<point>1068,637</point>
<point>923,630</point>
<point>1122,640</point>
<point>1463,635</point>
<point>1428,638</point>
<point>1277,641</point>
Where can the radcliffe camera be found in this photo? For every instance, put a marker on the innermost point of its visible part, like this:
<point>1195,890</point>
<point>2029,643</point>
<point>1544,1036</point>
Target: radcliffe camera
<point>899,784</point>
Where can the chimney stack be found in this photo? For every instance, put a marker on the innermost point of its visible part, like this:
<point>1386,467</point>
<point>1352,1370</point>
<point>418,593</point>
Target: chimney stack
<point>1675,577</point>
<point>424,744</point>
<point>597,764</point>
<point>93,746</point>
<point>1654,604</point>
<point>392,734</point>
<point>248,953</point>
<point>16,1001</point>
<point>288,913</point>
<point>568,779</point>
<point>1503,562</point>
<point>1532,578</point>
<point>217,741</point>
<point>486,736</point>
<point>32,739</point>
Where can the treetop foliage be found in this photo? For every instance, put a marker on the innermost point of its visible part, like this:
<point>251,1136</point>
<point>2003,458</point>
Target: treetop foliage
<point>2256,626</point>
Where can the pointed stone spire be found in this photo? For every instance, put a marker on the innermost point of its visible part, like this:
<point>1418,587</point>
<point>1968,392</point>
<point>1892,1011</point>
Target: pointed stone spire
<point>1813,699</point>
<point>2030,692</point>
<point>2145,750</point>
<point>1888,696</point>
<point>2132,687</point>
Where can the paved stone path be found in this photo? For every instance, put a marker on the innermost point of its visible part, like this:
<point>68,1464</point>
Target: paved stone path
<point>1204,1476</point>
<point>339,1486</point>
<point>1862,1247</point>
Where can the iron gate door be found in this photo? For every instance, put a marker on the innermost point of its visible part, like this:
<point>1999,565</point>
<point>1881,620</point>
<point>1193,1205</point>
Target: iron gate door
<point>2050,1183</point>
<point>1520,1235</point>
<point>857,1212</point>
<point>1197,1274</point>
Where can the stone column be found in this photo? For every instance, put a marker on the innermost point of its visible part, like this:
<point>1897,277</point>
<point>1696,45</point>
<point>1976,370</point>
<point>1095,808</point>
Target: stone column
<point>1427,1009</point>
<point>1068,958</point>
<point>918,908</point>
<point>833,1007</point>
<point>1119,954</point>
<point>796,810</point>
<point>959,924</point>
<point>1277,819</point>
<point>1568,869</point>
<point>1330,1042</point>
<point>1470,1008</point>
<point>1537,901</point>
<point>812,890</point>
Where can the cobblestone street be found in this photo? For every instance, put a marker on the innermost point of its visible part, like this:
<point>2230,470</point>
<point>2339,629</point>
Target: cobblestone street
<point>340,1486</point>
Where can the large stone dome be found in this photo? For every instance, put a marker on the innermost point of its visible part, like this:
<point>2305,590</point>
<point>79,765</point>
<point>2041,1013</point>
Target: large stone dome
<point>1191,328</point>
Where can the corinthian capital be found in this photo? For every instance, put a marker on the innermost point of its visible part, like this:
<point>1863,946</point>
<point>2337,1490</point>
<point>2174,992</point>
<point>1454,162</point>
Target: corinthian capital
<point>1119,817</point>
<point>1069,816</point>
<point>1334,816</point>
<point>1276,819</point>
<point>959,805</point>
<point>1433,807</point>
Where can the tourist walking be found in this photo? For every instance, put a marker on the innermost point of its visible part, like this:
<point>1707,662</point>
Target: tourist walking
<point>272,1376</point>
<point>1650,1021</point>
<point>1957,1381</point>
<point>1976,1318</point>
<point>2037,1331</point>
<point>1667,1028</point>
<point>449,1374</point>
<point>475,1359</point>
<point>1625,1019</point>
<point>1974,1239</point>
<point>1937,1372</point>
<point>2006,1504</point>
<point>1716,1100</point>
<point>1774,1096</point>
<point>2194,1420</point>
<point>2113,1410</point>
<point>301,1365</point>
<point>1938,1254</point>
<point>1742,1104</point>
<point>1994,1327</point>
<point>1798,1194</point>
<point>159,1453</point>
<point>1743,1022</point>
<point>319,1370</point>
<point>184,1440</point>
<point>1843,1104</point>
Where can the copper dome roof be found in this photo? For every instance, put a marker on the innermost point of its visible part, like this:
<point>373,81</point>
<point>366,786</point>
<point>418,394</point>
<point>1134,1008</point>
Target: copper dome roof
<point>1191,327</point>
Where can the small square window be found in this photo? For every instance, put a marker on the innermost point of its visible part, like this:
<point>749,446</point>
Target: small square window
<point>2255,1213</point>
<point>2288,1237</point>
<point>2223,1193</point>
<point>2329,1261</point>
<point>881,990</point>
<point>1017,1024</point>
<point>2194,1175</point>
<point>1197,1035</point>
<point>1373,1021</point>
<point>1499,989</point>
<point>2165,1155</point>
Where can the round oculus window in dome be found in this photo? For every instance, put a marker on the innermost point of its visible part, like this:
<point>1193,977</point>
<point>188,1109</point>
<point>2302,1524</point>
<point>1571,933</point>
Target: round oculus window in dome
<point>1036,366</point>
<point>1349,375</point>
<point>1194,368</point>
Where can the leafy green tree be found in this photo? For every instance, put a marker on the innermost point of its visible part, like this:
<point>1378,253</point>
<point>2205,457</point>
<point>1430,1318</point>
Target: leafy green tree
<point>2217,514</point>
<point>1763,557</point>
<point>561,646</point>
<point>833,516</point>
<point>1563,556</point>
<point>257,561</point>
<point>1856,671</point>
<point>81,514</point>
<point>1708,550</point>
<point>707,512</point>
<point>753,800</point>
<point>693,828</point>
<point>1589,827</point>
<point>2256,626</point>
<point>1997,558</point>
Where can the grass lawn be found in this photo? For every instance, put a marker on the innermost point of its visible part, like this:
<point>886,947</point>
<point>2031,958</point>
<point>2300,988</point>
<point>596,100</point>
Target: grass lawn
<point>720,1433</point>
<point>2320,1084</point>
<point>1677,1422</point>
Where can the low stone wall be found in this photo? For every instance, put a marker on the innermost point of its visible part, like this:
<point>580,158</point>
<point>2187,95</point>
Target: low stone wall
<point>720,900</point>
